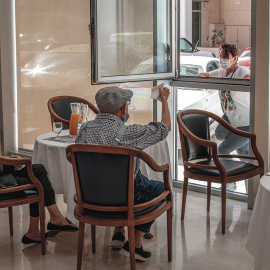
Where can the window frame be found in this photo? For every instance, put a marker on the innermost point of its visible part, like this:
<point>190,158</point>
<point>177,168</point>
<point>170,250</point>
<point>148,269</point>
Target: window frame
<point>95,53</point>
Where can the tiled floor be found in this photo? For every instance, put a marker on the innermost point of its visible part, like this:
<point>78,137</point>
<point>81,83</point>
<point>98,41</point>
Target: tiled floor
<point>197,242</point>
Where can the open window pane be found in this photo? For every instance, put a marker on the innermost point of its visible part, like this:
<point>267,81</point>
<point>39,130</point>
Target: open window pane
<point>131,40</point>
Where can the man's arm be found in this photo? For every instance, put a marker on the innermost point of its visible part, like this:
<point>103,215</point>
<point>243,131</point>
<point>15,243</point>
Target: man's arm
<point>165,117</point>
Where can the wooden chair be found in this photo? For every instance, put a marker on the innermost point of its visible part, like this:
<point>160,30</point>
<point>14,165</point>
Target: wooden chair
<point>9,199</point>
<point>196,146</point>
<point>59,108</point>
<point>104,181</point>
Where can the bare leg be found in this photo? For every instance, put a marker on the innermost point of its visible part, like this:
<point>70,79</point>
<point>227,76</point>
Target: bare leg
<point>138,237</point>
<point>119,229</point>
<point>56,217</point>
<point>33,230</point>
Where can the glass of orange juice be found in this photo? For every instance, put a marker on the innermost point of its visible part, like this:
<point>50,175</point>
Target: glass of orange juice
<point>74,119</point>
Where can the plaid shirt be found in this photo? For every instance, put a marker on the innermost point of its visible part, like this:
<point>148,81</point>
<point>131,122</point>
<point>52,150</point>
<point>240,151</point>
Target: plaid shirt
<point>104,128</point>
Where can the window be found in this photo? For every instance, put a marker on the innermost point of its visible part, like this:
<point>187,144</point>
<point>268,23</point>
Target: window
<point>131,40</point>
<point>186,46</point>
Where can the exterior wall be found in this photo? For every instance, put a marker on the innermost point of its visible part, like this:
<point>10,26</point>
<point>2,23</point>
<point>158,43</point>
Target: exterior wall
<point>210,15</point>
<point>235,17</point>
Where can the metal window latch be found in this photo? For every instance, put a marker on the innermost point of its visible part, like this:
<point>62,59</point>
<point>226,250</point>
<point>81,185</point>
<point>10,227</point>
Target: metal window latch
<point>91,28</point>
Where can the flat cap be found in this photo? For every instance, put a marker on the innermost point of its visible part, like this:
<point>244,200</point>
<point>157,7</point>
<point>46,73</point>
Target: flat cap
<point>110,99</point>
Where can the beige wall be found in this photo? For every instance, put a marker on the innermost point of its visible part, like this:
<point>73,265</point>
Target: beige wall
<point>235,17</point>
<point>54,59</point>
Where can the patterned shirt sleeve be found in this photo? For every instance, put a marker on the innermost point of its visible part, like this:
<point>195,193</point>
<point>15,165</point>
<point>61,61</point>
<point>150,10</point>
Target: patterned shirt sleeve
<point>142,136</point>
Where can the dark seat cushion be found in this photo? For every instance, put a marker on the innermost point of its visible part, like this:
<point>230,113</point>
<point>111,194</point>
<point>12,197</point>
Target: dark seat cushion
<point>232,168</point>
<point>18,194</point>
<point>101,214</point>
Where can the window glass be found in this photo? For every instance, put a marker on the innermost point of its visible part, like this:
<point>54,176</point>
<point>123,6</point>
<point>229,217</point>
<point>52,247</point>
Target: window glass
<point>54,60</point>
<point>186,46</point>
<point>212,66</point>
<point>132,38</point>
<point>212,24</point>
<point>211,100</point>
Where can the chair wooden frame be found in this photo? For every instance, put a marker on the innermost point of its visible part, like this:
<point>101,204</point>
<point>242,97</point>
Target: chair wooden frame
<point>223,179</point>
<point>56,118</point>
<point>131,219</point>
<point>29,199</point>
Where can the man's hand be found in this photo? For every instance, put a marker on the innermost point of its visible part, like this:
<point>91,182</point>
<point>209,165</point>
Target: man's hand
<point>17,167</point>
<point>164,93</point>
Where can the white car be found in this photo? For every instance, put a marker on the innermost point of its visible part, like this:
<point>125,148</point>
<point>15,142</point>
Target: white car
<point>193,65</point>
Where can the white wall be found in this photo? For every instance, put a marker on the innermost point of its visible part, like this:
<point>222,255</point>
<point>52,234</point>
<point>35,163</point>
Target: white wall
<point>8,69</point>
<point>186,19</point>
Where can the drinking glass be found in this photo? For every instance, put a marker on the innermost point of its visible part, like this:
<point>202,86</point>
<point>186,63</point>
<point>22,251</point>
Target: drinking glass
<point>57,128</point>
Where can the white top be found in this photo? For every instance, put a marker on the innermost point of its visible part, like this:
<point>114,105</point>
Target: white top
<point>238,115</point>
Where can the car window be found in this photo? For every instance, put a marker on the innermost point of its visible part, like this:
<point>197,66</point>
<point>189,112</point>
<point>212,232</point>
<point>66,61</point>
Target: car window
<point>212,66</point>
<point>191,70</point>
<point>246,54</point>
<point>185,46</point>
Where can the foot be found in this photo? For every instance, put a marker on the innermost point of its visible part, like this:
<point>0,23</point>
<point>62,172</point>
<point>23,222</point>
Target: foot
<point>148,236</point>
<point>140,254</point>
<point>63,228</point>
<point>33,240</point>
<point>117,240</point>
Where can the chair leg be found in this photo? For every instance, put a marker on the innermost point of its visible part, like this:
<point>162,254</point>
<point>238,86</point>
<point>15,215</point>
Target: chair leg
<point>80,245</point>
<point>208,195</point>
<point>169,233</point>
<point>93,237</point>
<point>223,206</point>
<point>10,217</point>
<point>184,198</point>
<point>42,226</point>
<point>131,240</point>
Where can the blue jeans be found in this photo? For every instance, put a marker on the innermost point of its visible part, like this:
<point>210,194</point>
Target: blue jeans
<point>145,190</point>
<point>235,142</point>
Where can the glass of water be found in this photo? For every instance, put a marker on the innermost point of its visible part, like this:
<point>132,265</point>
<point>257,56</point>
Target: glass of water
<point>57,128</point>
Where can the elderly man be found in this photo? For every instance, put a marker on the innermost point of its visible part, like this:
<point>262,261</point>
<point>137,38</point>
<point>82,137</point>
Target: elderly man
<point>108,128</point>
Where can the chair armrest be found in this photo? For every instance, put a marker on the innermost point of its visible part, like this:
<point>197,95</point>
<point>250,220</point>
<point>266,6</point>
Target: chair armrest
<point>152,164</point>
<point>23,161</point>
<point>158,168</point>
<point>14,161</point>
<point>196,139</point>
<point>231,128</point>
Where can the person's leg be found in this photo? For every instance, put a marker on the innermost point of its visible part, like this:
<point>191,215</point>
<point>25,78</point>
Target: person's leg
<point>234,142</point>
<point>231,143</point>
<point>145,190</point>
<point>56,218</point>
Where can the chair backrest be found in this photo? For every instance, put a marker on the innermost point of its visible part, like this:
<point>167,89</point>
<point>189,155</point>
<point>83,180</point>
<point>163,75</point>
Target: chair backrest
<point>103,178</point>
<point>103,174</point>
<point>59,108</point>
<point>198,125</point>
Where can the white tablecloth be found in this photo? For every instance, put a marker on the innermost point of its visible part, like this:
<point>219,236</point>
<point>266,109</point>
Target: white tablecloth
<point>258,239</point>
<point>52,155</point>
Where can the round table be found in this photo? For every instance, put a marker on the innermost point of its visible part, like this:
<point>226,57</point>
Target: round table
<point>258,239</point>
<point>52,154</point>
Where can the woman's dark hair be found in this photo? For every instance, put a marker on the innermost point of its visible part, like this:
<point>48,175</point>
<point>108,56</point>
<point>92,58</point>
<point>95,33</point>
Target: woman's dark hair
<point>229,48</point>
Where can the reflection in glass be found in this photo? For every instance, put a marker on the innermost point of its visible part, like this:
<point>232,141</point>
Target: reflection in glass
<point>134,37</point>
